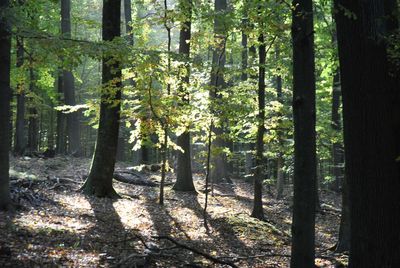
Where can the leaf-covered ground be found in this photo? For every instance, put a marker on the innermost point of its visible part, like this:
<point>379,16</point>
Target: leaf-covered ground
<point>55,225</point>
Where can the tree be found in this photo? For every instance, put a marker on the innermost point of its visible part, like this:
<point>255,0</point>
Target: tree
<point>219,160</point>
<point>184,178</point>
<point>68,85</point>
<point>20,139</point>
<point>5,99</point>
<point>99,181</point>
<point>304,200</point>
<point>371,121</point>
<point>259,174</point>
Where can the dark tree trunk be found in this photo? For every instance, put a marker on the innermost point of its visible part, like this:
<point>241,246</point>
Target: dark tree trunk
<point>50,131</point>
<point>68,85</point>
<point>128,20</point>
<point>99,181</point>
<point>20,138</point>
<point>303,233</point>
<point>343,243</point>
<point>184,178</point>
<point>260,167</point>
<point>336,127</point>
<point>33,124</point>
<point>245,54</point>
<point>371,120</point>
<point>219,159</point>
<point>61,140</point>
<point>280,183</point>
<point>5,113</point>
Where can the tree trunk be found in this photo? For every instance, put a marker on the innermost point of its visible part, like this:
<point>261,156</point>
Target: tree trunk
<point>343,243</point>
<point>219,159</point>
<point>280,182</point>
<point>336,127</point>
<point>68,85</point>
<point>303,233</point>
<point>20,139</point>
<point>279,177</point>
<point>260,163</point>
<point>99,181</point>
<point>33,124</point>
<point>371,120</point>
<point>61,143</point>
<point>184,178</point>
<point>5,99</point>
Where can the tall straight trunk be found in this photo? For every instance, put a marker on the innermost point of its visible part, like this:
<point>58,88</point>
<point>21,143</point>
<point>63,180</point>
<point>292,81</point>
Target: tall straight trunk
<point>33,124</point>
<point>371,120</point>
<point>50,131</point>
<point>260,168</point>
<point>245,53</point>
<point>219,160</point>
<point>280,183</point>
<point>99,181</point>
<point>304,199</point>
<point>184,178</point>
<point>128,20</point>
<point>20,139</point>
<point>61,139</point>
<point>5,113</point>
<point>336,127</point>
<point>68,85</point>
<point>343,243</point>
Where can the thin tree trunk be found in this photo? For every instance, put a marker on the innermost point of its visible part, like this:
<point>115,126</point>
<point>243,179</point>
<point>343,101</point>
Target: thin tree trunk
<point>20,138</point>
<point>336,126</point>
<point>99,181</point>
<point>304,200</point>
<point>33,124</point>
<point>280,182</point>
<point>61,120</point>
<point>260,162</point>
<point>5,99</point>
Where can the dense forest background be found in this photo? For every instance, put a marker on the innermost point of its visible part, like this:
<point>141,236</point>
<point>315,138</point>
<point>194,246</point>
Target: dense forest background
<point>185,102</point>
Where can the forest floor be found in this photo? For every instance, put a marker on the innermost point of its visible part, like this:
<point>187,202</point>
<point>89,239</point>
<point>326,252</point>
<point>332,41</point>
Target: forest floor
<point>56,225</point>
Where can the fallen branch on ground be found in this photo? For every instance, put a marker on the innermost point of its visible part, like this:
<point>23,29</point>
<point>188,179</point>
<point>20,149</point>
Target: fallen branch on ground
<point>205,255</point>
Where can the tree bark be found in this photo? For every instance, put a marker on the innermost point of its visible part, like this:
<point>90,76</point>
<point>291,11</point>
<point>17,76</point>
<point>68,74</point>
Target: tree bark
<point>5,99</point>
<point>260,163</point>
<point>99,181</point>
<point>336,127</point>
<point>343,243</point>
<point>184,178</point>
<point>20,138</point>
<point>33,124</point>
<point>68,85</point>
<point>303,233</point>
<point>219,159</point>
<point>280,183</point>
<point>371,120</point>
<point>61,143</point>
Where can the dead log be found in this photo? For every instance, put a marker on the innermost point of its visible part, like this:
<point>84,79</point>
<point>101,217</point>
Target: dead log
<point>135,180</point>
<point>198,252</point>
